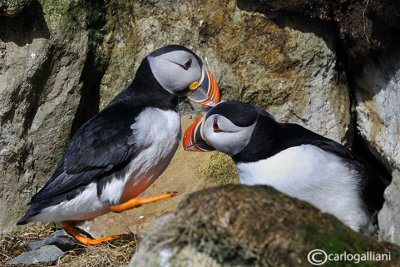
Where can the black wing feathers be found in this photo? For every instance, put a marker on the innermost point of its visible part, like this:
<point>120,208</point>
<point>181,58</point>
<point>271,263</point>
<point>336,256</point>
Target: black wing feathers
<point>103,143</point>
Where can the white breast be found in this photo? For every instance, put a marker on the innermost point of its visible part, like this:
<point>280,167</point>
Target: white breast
<point>156,134</point>
<point>311,174</point>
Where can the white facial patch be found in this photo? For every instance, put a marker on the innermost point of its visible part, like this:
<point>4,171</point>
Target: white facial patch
<point>168,71</point>
<point>231,139</point>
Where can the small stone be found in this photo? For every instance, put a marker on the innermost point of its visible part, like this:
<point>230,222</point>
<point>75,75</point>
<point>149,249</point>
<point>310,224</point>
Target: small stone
<point>59,239</point>
<point>35,245</point>
<point>45,255</point>
<point>8,238</point>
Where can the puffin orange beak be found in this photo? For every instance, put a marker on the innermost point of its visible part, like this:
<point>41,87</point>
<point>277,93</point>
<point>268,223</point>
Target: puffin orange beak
<point>193,140</point>
<point>205,91</point>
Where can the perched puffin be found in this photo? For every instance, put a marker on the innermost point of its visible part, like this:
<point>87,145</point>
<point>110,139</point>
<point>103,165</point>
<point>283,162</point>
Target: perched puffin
<point>293,160</point>
<point>122,150</point>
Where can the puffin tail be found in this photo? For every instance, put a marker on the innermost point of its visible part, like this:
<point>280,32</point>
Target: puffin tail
<point>23,220</point>
<point>30,213</point>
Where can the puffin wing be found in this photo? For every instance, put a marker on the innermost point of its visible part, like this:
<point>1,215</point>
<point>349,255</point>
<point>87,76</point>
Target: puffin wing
<point>372,184</point>
<point>100,146</point>
<point>305,136</point>
<point>334,148</point>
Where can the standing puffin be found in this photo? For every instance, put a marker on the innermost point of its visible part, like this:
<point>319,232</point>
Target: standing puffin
<point>122,150</point>
<point>293,160</point>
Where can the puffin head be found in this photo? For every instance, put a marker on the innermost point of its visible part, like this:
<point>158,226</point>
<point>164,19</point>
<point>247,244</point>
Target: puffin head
<point>228,127</point>
<point>182,73</point>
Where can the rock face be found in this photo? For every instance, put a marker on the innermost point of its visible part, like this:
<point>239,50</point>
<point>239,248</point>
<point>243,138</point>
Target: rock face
<point>389,216</point>
<point>378,108</point>
<point>251,226</point>
<point>378,121</point>
<point>43,60</point>
<point>363,28</point>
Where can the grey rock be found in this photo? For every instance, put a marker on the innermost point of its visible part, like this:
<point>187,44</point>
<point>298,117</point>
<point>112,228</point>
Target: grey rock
<point>44,255</point>
<point>378,109</point>
<point>41,83</point>
<point>59,238</point>
<point>389,216</point>
<point>35,245</point>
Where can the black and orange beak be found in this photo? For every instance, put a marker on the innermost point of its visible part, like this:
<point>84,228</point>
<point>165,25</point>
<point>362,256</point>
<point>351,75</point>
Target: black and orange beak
<point>193,139</point>
<point>205,91</point>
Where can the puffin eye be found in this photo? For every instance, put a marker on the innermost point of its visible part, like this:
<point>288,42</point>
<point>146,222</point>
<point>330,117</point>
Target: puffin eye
<point>216,128</point>
<point>187,65</point>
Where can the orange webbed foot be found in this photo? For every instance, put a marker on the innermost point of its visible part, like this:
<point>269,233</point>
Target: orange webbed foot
<point>69,228</point>
<point>136,202</point>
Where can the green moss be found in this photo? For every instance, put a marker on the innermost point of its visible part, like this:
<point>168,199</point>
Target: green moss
<point>335,241</point>
<point>220,169</point>
<point>54,12</point>
<point>338,241</point>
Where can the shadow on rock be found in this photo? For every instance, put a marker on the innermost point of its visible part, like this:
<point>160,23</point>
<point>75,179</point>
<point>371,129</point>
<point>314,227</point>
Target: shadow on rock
<point>23,27</point>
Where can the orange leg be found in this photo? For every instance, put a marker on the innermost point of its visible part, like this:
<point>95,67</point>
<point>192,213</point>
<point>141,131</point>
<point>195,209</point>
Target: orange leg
<point>136,202</point>
<point>85,240</point>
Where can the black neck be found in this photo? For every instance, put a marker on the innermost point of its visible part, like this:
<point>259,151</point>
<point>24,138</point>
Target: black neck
<point>147,91</point>
<point>261,142</point>
<point>270,137</point>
